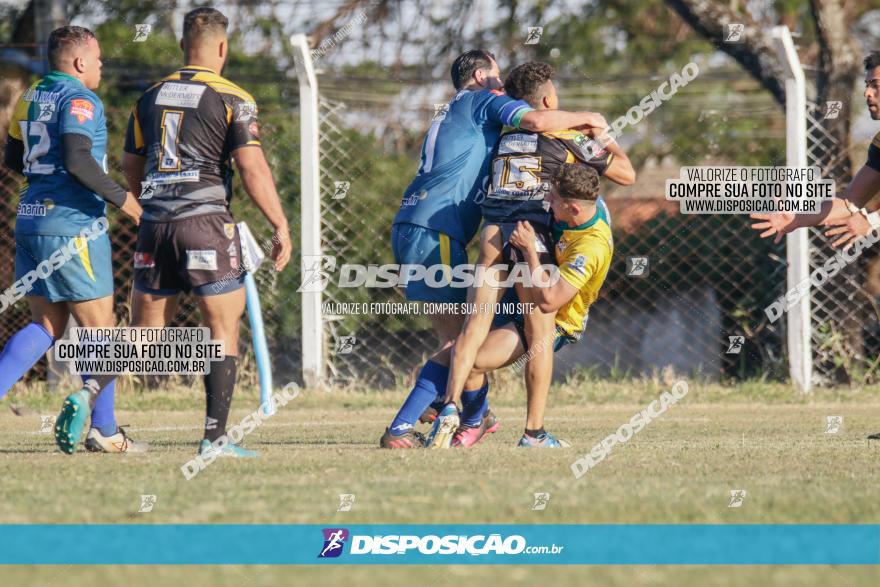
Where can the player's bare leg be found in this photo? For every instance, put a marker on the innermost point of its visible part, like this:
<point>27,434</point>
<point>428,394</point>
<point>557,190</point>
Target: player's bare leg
<point>151,310</point>
<point>540,328</point>
<point>540,331</point>
<point>96,313</point>
<point>52,316</point>
<point>482,299</point>
<point>222,314</point>
<point>446,326</point>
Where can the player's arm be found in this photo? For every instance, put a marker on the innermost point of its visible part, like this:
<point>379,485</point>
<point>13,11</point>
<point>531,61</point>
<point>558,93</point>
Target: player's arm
<point>620,169</point>
<point>243,139</point>
<point>134,158</point>
<point>501,109</point>
<point>549,120</point>
<point>609,161</point>
<point>550,298</point>
<point>78,122</point>
<point>259,185</point>
<point>859,192</point>
<point>866,183</point>
<point>14,156</point>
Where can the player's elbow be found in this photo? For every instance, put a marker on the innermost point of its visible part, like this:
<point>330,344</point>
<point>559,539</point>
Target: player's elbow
<point>628,177</point>
<point>535,121</point>
<point>624,174</point>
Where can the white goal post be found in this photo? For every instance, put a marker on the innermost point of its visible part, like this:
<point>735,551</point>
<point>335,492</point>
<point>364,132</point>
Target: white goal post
<point>313,356</point>
<point>797,244</point>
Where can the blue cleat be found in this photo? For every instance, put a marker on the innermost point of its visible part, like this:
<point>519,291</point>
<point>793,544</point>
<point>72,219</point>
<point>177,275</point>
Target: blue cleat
<point>230,450</point>
<point>545,440</point>
<point>72,419</point>
<point>444,427</point>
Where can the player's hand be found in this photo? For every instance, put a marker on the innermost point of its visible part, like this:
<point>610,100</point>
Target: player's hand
<point>777,223</point>
<point>848,230</point>
<point>595,126</point>
<point>132,208</point>
<point>281,247</point>
<point>523,236</point>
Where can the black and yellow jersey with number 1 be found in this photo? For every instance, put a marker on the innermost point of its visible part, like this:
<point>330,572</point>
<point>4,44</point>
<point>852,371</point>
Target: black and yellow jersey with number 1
<point>186,126</point>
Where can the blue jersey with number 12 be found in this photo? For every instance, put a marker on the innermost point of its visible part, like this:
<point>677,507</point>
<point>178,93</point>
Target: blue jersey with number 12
<point>52,201</point>
<point>455,162</point>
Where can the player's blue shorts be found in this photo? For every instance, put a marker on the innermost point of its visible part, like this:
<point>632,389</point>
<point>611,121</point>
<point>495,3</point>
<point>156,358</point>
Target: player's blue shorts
<point>417,245</point>
<point>86,275</point>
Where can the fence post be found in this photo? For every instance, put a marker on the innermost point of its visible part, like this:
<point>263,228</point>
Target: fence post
<point>797,244</point>
<point>313,360</point>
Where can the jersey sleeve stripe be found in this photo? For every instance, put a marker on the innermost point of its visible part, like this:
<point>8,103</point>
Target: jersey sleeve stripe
<point>517,116</point>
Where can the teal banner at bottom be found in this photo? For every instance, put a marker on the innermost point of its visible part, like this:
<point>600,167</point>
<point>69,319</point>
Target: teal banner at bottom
<point>492,544</point>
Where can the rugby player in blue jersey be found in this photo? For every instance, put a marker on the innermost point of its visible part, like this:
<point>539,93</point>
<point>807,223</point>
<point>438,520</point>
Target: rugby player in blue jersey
<point>58,141</point>
<point>440,210</point>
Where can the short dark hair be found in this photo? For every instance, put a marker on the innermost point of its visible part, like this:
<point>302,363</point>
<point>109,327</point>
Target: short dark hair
<point>872,61</point>
<point>60,40</point>
<point>525,80</point>
<point>576,181</point>
<point>203,21</point>
<point>467,63</point>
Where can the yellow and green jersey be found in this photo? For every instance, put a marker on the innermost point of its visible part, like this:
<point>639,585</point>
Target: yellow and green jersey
<point>583,254</point>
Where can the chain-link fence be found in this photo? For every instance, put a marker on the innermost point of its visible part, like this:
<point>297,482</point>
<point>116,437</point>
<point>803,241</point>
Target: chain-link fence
<point>844,312</point>
<point>705,279</point>
<point>698,304</point>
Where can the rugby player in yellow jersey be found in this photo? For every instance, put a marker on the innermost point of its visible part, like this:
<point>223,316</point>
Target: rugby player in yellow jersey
<point>583,251</point>
<point>183,134</point>
<point>522,165</point>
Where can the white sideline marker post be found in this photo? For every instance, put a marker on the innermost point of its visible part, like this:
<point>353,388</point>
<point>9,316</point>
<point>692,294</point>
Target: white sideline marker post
<point>313,360</point>
<point>797,243</point>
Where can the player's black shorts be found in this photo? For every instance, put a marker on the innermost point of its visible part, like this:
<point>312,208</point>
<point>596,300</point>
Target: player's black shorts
<point>200,254</point>
<point>511,255</point>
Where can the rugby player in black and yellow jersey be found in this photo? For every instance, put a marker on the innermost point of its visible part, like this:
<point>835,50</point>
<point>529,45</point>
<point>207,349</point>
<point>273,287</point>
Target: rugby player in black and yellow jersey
<point>522,166</point>
<point>182,136</point>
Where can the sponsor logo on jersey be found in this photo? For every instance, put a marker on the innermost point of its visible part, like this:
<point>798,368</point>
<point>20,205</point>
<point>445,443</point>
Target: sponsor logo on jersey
<point>202,259</point>
<point>143,260</point>
<point>518,143</point>
<point>47,109</point>
<point>40,96</point>
<point>82,109</point>
<point>229,229</point>
<point>31,210</point>
<point>414,199</point>
<point>590,148</point>
<point>254,129</point>
<point>163,178</point>
<point>578,264</point>
<point>181,95</point>
<point>244,111</point>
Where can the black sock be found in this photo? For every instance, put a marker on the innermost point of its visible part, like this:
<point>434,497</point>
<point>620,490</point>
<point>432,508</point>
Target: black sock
<point>535,433</point>
<point>219,385</point>
<point>95,383</point>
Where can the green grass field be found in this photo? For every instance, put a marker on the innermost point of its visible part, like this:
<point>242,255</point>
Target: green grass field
<point>759,437</point>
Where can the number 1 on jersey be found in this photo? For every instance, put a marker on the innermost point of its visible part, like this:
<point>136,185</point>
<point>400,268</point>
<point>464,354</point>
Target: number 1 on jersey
<point>169,159</point>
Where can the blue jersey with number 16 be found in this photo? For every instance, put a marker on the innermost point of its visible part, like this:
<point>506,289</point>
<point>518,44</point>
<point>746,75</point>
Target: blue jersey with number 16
<point>455,162</point>
<point>52,201</point>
